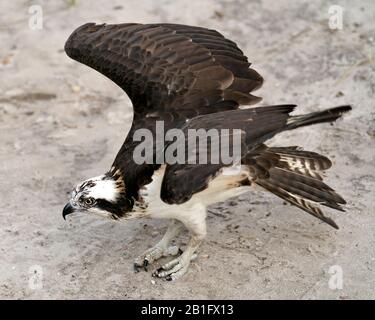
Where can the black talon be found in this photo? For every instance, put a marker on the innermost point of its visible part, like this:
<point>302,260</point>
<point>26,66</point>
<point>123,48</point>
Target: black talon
<point>145,264</point>
<point>180,252</point>
<point>159,269</point>
<point>136,268</point>
<point>168,278</point>
<point>156,272</point>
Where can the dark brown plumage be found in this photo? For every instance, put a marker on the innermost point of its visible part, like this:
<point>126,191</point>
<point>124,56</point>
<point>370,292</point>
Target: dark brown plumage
<point>191,78</point>
<point>170,72</point>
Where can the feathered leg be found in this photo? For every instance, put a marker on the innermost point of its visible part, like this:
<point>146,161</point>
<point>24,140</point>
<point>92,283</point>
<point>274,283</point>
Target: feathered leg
<point>162,248</point>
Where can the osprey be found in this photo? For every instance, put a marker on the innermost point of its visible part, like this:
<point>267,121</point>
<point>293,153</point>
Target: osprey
<point>192,78</point>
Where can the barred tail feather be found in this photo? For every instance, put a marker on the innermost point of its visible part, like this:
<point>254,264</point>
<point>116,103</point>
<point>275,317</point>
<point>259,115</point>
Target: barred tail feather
<point>297,178</point>
<point>308,163</point>
<point>297,201</point>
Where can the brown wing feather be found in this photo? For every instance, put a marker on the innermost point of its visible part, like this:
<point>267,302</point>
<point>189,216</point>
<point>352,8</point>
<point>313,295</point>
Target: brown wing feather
<point>181,181</point>
<point>161,66</point>
<point>170,72</point>
<point>300,171</point>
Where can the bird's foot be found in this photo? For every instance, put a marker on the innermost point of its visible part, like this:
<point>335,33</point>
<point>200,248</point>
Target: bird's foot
<point>153,254</point>
<point>174,269</point>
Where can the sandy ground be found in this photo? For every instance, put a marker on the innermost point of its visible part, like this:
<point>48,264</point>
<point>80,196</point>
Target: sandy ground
<point>61,122</point>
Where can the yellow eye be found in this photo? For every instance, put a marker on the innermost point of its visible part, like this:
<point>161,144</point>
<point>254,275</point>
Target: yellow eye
<point>89,201</point>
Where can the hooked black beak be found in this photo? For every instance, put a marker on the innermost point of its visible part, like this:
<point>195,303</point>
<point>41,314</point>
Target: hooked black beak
<point>68,209</point>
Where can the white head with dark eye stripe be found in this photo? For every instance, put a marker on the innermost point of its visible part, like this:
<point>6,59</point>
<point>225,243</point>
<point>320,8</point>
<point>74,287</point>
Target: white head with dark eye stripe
<point>102,196</point>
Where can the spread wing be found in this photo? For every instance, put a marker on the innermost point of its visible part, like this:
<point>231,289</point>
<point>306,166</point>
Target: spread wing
<point>253,126</point>
<point>292,174</point>
<point>170,72</point>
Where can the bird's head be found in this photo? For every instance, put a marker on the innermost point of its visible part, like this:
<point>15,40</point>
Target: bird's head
<point>103,196</point>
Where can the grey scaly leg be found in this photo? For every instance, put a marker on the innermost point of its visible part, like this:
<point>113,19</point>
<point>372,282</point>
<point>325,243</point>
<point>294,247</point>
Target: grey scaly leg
<point>162,248</point>
<point>179,266</point>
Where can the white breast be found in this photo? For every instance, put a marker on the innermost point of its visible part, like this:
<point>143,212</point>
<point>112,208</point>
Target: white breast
<point>224,186</point>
